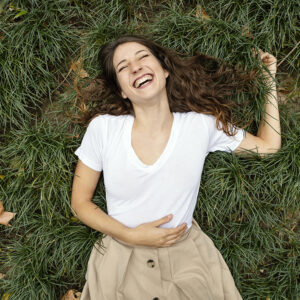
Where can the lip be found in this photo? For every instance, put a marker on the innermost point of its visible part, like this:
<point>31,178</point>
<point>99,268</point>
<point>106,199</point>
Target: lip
<point>141,77</point>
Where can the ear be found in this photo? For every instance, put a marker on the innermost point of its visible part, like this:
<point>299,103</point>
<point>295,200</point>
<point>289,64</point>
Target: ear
<point>166,73</point>
<point>123,95</point>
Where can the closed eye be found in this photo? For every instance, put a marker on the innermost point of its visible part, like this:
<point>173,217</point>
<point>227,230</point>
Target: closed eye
<point>122,68</point>
<point>144,56</point>
<point>139,59</point>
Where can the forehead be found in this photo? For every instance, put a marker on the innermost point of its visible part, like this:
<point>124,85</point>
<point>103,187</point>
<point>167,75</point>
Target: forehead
<point>126,50</point>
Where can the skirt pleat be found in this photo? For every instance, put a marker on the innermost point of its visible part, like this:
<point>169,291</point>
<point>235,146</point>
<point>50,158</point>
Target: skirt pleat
<point>191,269</point>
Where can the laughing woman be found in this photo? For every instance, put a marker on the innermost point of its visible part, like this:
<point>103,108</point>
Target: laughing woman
<point>158,117</point>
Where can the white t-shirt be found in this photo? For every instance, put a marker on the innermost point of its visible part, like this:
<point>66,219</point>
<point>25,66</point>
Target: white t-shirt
<point>137,193</point>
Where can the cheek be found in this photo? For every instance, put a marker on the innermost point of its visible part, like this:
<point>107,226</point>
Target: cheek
<point>123,85</point>
<point>120,81</point>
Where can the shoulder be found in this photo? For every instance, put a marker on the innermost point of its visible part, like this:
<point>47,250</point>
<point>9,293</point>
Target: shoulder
<point>203,123</point>
<point>194,114</point>
<point>103,128</point>
<point>200,118</point>
<point>106,120</point>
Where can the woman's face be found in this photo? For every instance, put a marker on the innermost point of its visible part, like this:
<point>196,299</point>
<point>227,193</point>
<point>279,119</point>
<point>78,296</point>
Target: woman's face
<point>139,72</point>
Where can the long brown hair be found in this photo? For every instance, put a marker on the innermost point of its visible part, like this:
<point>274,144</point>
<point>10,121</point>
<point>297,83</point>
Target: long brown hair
<point>199,83</point>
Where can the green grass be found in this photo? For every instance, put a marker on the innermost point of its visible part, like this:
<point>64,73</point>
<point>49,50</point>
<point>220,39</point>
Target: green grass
<point>249,206</point>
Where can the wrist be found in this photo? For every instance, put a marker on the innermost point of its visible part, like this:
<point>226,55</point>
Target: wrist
<point>128,235</point>
<point>270,78</point>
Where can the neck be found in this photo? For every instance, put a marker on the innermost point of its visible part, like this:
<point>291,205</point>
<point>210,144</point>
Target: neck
<point>153,122</point>
<point>153,117</point>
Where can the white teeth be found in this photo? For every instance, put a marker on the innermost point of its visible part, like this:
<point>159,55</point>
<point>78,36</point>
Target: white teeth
<point>138,82</point>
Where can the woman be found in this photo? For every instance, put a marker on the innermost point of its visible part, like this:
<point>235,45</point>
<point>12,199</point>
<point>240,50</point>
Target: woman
<point>163,115</point>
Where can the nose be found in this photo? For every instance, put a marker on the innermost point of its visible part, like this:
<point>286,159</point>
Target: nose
<point>135,66</point>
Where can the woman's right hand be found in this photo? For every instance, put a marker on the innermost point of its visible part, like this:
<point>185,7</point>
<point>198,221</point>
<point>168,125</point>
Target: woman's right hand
<point>149,234</point>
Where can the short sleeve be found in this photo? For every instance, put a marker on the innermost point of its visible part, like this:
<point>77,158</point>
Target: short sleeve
<point>90,150</point>
<point>218,139</point>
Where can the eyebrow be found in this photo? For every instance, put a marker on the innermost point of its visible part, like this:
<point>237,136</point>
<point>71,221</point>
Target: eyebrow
<point>125,59</point>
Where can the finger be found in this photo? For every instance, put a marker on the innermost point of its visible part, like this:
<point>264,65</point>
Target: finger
<point>260,51</point>
<point>183,228</point>
<point>163,220</point>
<point>265,56</point>
<point>177,233</point>
<point>270,58</point>
<point>170,242</point>
<point>178,229</point>
<point>171,239</point>
<point>175,236</point>
<point>255,51</point>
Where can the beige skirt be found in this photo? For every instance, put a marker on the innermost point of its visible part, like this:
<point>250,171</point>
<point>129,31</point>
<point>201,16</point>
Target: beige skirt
<point>191,269</point>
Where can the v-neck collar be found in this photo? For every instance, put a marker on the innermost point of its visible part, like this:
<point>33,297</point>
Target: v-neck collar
<point>164,155</point>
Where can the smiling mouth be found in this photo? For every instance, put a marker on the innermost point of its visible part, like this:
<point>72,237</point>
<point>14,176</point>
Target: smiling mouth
<point>145,84</point>
<point>143,81</point>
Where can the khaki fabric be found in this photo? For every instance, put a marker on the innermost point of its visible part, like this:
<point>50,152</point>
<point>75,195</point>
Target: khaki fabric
<point>191,269</point>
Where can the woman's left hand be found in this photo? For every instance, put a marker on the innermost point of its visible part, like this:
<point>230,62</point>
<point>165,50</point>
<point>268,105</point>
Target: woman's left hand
<point>269,61</point>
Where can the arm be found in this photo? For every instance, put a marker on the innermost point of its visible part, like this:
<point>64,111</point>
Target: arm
<point>84,184</point>
<point>147,234</point>
<point>268,137</point>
